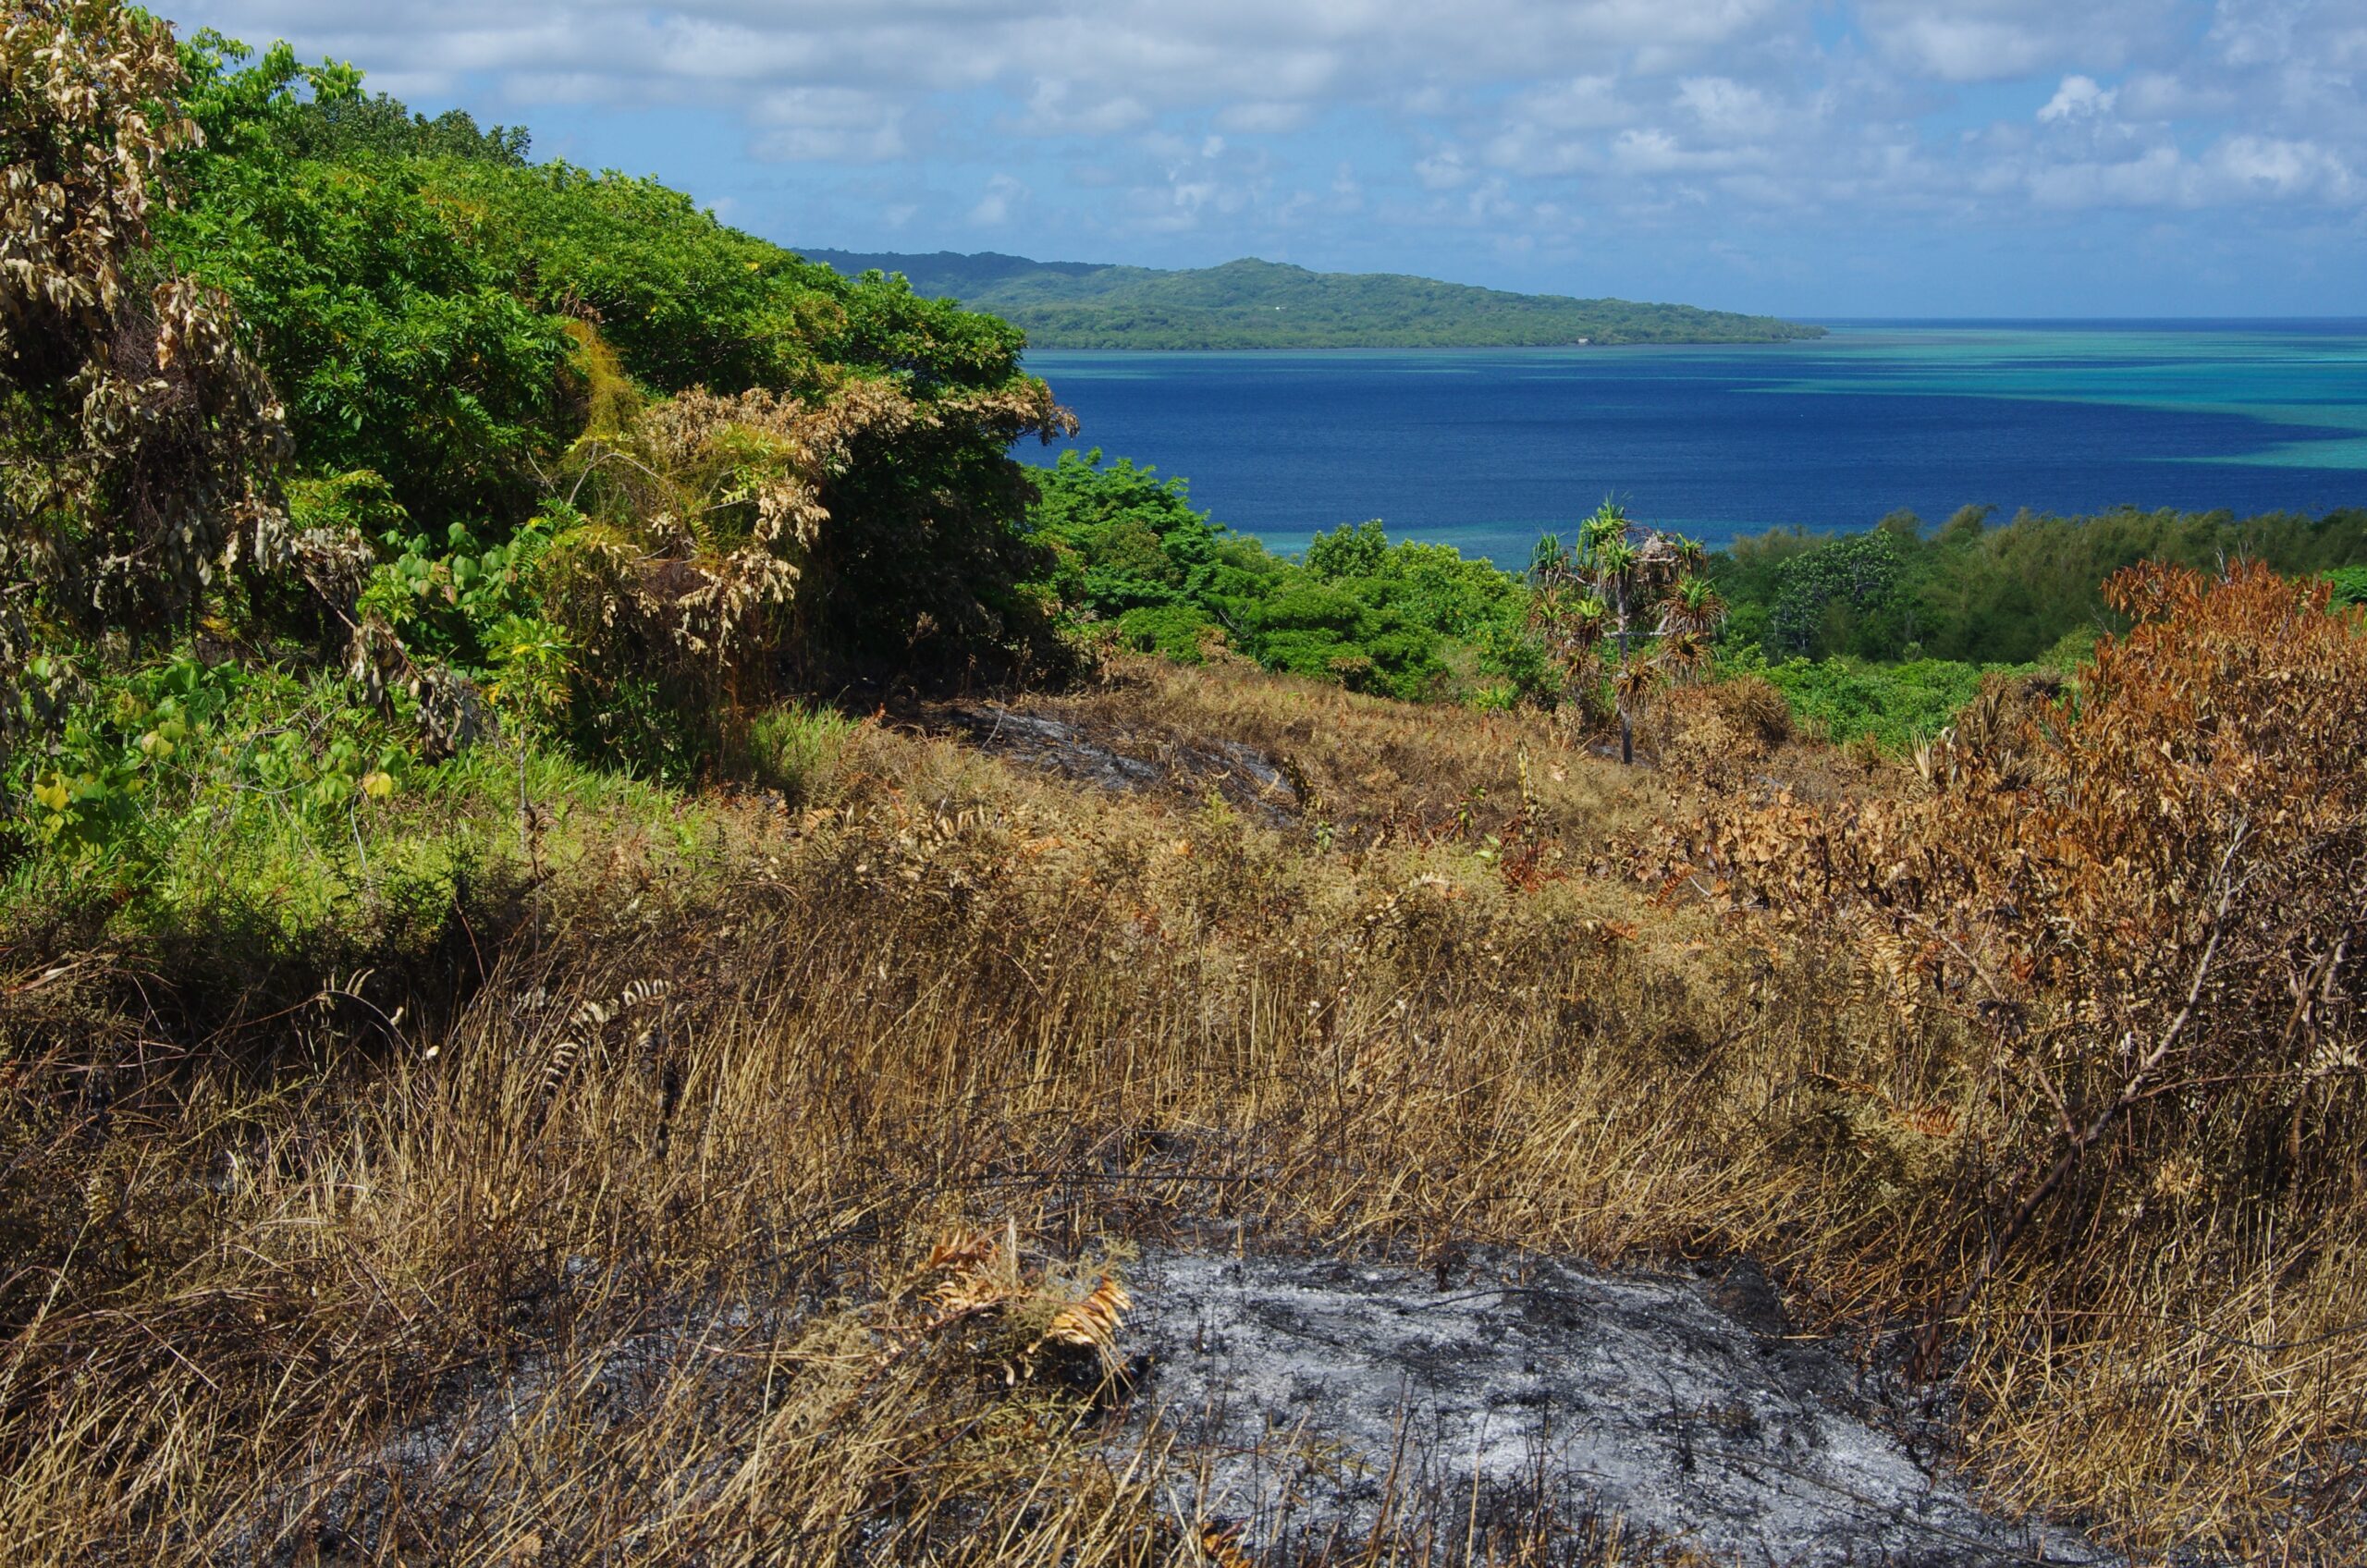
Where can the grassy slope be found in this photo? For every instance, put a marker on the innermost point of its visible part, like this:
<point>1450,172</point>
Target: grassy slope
<point>950,994</point>
<point>1255,304</point>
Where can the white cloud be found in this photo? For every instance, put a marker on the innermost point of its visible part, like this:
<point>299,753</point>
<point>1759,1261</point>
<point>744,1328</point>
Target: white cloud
<point>1269,119</point>
<point>993,209</point>
<point>2271,168</point>
<point>1585,103</point>
<point>2237,170</point>
<point>1442,170</point>
<point>2079,98</point>
<point>829,125</point>
<point>2164,95</point>
<point>1230,117</point>
<point>1648,151</point>
<point>2158,177</point>
<point>1727,110</point>
<point>1051,112</point>
<point>1965,40</point>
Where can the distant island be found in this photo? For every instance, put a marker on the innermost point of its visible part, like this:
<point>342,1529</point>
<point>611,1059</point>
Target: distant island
<point>1255,304</point>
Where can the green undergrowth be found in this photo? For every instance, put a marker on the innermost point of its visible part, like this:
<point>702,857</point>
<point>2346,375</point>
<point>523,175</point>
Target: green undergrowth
<point>798,750</point>
<point>1845,700</point>
<point>274,817</point>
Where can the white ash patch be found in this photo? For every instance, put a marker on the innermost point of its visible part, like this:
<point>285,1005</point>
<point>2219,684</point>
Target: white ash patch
<point>1307,1397</point>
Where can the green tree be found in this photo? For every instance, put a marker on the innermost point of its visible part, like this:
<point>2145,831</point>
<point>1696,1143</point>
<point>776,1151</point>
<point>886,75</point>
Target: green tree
<point>398,346</point>
<point>1858,573</point>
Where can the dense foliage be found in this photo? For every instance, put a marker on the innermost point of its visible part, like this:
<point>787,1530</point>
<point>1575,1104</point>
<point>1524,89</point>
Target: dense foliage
<point>1898,703</point>
<point>1255,304</point>
<point>696,466</point>
<point>1129,550</point>
<point>1825,619</point>
<point>2009,595</point>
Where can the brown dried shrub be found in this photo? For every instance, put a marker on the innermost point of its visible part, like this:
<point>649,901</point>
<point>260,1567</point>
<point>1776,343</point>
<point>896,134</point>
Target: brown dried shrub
<point>2138,907</point>
<point>1710,732</point>
<point>138,458</point>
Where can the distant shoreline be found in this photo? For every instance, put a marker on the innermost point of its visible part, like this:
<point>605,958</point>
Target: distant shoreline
<point>1035,348</point>
<point>2298,325</point>
<point>1250,305</point>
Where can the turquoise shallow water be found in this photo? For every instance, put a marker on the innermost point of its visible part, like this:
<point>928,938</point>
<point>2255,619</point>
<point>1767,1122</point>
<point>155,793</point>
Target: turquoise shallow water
<point>1484,448</point>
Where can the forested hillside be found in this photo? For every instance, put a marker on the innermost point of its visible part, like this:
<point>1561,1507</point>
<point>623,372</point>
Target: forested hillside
<point>1255,304</point>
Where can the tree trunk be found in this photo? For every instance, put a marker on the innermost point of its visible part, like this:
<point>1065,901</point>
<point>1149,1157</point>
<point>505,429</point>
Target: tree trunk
<point>1619,681</point>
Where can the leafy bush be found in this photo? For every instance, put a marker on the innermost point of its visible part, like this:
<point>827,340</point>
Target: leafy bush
<point>690,302</point>
<point>1972,592</point>
<point>1896,704</point>
<point>1128,547</point>
<point>166,759</point>
<point>399,346</point>
<point>1183,632</point>
<point>752,467</point>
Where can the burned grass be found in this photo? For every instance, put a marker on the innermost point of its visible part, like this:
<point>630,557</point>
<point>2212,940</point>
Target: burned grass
<point>655,1251</point>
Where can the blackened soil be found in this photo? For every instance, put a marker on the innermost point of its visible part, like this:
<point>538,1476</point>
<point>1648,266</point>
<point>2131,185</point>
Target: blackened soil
<point>1113,757</point>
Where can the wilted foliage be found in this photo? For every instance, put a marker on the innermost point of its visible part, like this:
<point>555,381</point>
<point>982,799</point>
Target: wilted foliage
<point>2149,894</point>
<point>141,444</point>
<point>723,536</point>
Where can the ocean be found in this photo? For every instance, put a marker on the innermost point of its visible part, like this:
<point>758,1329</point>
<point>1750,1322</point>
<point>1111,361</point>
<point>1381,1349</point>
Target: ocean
<point>1485,448</point>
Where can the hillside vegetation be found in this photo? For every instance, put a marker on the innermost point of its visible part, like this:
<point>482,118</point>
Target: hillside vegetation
<point>1255,304</point>
<point>1882,635</point>
<point>613,928</point>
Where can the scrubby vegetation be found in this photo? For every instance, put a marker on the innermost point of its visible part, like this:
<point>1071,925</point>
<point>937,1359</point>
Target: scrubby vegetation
<point>526,1039</point>
<point>1883,636</point>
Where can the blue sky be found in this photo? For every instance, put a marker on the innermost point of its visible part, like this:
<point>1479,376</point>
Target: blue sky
<point>1877,157</point>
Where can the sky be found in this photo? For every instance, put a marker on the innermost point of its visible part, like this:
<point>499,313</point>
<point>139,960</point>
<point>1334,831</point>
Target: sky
<point>1804,158</point>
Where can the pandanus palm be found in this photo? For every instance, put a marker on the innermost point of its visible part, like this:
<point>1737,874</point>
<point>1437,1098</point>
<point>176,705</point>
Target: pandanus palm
<point>1619,587</point>
<point>1693,605</point>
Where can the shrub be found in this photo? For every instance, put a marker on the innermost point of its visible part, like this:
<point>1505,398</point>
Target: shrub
<point>398,346</point>
<point>1847,700</point>
<point>1985,594</point>
<point>1755,707</point>
<point>1360,611</point>
<point>1183,632</point>
<point>1709,731</point>
<point>140,446</point>
<point>797,750</point>
<point>2146,895</point>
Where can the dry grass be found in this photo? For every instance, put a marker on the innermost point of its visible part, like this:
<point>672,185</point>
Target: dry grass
<point>607,1271</point>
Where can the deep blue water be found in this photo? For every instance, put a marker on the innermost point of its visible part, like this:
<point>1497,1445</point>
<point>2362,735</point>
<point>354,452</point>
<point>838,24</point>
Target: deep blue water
<point>1485,448</point>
